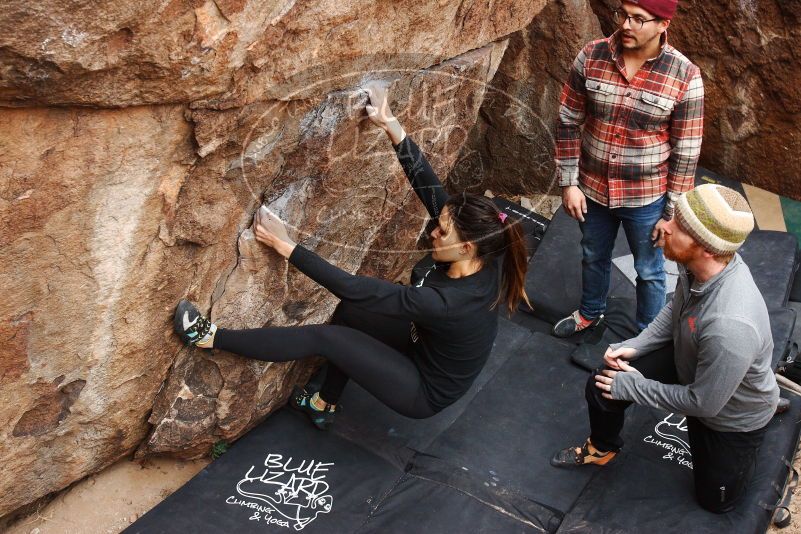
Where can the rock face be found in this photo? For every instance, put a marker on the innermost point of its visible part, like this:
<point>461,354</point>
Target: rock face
<point>228,50</point>
<point>85,344</point>
<point>751,66</point>
<point>511,147</point>
<point>177,120</point>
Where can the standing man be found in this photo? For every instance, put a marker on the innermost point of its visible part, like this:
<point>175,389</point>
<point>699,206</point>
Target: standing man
<point>641,103</point>
<point>719,373</point>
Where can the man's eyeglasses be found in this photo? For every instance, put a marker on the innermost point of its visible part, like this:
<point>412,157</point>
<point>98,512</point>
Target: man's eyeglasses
<point>635,22</point>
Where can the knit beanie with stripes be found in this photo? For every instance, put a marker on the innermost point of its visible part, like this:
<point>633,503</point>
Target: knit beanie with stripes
<point>717,217</point>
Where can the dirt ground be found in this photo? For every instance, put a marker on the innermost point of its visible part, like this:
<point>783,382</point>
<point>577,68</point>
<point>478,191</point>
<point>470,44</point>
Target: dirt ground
<point>109,501</point>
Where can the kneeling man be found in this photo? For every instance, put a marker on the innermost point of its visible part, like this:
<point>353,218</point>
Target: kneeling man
<point>719,374</point>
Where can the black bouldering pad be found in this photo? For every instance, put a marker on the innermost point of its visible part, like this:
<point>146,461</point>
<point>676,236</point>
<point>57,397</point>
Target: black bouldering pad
<point>706,176</point>
<point>283,476</point>
<point>773,259</point>
<point>533,224</point>
<point>378,465</point>
<point>649,486</point>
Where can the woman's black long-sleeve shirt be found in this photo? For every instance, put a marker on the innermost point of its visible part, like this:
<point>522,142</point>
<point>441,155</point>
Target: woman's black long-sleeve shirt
<point>453,321</point>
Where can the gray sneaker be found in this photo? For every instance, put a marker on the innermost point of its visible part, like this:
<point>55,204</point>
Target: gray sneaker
<point>573,324</point>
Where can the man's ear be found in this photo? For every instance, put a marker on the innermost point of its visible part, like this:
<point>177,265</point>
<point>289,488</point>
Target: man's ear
<point>664,24</point>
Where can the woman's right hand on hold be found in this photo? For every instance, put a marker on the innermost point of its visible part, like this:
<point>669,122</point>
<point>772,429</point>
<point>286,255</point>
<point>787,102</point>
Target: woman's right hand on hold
<point>379,112</point>
<point>378,108</point>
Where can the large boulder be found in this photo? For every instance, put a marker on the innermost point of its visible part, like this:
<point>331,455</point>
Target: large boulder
<point>191,114</point>
<point>85,345</point>
<point>230,52</point>
<point>511,147</point>
<point>751,66</point>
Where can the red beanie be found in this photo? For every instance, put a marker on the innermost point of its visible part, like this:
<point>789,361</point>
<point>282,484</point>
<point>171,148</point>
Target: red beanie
<point>664,9</point>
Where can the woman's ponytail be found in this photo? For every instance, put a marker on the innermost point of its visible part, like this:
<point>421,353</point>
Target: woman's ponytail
<point>515,265</point>
<point>478,220</point>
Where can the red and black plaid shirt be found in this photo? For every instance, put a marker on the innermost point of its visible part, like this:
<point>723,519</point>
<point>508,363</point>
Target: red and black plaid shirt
<point>641,138</point>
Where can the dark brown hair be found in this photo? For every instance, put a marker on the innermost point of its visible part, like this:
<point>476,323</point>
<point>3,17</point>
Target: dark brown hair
<point>478,220</point>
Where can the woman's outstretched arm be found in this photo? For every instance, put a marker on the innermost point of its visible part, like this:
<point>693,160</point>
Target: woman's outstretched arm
<point>422,304</point>
<point>422,178</point>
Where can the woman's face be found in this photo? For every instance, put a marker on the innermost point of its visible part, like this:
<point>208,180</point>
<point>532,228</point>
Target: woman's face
<point>447,245</point>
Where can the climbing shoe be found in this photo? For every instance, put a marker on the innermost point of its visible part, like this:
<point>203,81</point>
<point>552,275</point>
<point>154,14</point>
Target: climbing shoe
<point>301,401</point>
<point>586,454</point>
<point>191,326</point>
<point>574,323</point>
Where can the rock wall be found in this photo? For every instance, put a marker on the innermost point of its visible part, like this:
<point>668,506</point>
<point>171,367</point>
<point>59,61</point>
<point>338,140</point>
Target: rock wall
<point>751,67</point>
<point>511,147</point>
<point>749,58</point>
<point>136,142</point>
<point>228,52</point>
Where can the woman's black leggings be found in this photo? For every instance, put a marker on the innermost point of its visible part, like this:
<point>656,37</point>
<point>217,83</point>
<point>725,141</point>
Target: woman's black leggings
<point>369,348</point>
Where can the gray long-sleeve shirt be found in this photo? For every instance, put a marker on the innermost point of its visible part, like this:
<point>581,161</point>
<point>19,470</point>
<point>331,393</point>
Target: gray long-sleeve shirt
<point>722,349</point>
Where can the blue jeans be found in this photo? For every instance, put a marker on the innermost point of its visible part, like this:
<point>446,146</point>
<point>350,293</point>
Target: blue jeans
<point>599,231</point>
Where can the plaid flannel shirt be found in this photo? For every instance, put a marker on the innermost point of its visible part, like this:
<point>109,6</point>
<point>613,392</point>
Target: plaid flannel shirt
<point>641,137</point>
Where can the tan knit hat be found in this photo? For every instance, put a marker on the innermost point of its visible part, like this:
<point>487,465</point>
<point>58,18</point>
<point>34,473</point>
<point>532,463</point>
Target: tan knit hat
<point>717,217</point>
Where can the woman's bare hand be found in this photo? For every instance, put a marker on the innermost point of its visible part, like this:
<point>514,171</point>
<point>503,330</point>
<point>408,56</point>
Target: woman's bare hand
<point>271,231</point>
<point>380,114</point>
<point>378,109</point>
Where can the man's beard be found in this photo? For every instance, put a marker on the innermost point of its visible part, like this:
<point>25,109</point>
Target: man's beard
<point>639,44</point>
<point>680,256</point>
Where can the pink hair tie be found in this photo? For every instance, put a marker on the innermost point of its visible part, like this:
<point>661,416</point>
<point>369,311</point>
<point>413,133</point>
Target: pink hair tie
<point>502,216</point>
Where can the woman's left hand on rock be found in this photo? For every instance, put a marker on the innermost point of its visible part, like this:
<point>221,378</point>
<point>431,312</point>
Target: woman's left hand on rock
<point>271,231</point>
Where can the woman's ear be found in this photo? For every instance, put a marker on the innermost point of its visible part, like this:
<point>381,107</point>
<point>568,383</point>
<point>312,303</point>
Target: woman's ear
<point>468,249</point>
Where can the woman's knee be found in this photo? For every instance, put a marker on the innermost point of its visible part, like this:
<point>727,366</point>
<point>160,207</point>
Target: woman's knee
<point>422,412</point>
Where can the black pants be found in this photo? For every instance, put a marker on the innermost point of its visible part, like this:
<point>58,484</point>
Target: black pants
<point>369,348</point>
<point>723,462</point>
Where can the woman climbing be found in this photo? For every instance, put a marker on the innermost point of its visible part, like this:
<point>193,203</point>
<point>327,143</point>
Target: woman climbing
<point>416,348</point>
